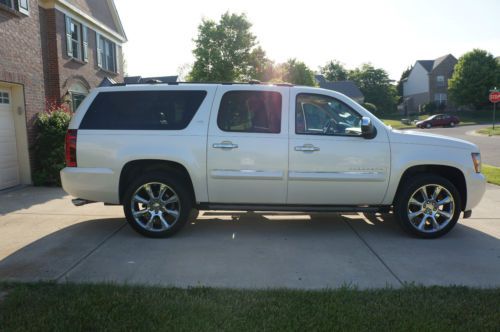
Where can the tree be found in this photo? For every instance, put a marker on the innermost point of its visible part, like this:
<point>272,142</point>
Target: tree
<point>399,86</point>
<point>334,71</point>
<point>223,50</point>
<point>296,72</point>
<point>260,67</point>
<point>376,86</point>
<point>475,74</point>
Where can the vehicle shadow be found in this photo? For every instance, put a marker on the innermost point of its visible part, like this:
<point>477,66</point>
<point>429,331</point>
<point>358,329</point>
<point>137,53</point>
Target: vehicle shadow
<point>220,242</point>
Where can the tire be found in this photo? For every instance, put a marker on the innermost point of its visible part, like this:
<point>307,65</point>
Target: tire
<point>452,124</point>
<point>174,206</point>
<point>428,125</point>
<point>436,224</point>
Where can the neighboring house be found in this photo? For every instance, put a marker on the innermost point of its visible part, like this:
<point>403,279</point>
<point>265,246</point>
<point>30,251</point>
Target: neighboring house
<point>158,79</point>
<point>50,50</point>
<point>428,82</point>
<point>348,88</point>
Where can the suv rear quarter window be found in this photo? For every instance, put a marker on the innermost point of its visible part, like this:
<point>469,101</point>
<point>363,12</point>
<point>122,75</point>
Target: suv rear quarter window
<point>143,110</point>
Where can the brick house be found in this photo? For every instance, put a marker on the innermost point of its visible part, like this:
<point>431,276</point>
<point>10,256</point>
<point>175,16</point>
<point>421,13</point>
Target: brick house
<point>54,50</point>
<point>428,82</point>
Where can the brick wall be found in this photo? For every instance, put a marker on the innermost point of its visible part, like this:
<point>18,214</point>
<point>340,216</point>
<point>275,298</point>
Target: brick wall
<point>445,69</point>
<point>62,71</point>
<point>21,60</point>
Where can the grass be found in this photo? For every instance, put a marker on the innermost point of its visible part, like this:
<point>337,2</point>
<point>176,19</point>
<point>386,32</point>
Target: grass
<point>491,173</point>
<point>466,118</point>
<point>489,131</point>
<point>69,307</point>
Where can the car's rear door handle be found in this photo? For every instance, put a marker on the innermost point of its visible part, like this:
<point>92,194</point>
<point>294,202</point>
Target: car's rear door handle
<point>225,145</point>
<point>307,148</point>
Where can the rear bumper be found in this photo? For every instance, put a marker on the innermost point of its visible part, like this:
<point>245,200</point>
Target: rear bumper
<point>93,184</point>
<point>476,187</point>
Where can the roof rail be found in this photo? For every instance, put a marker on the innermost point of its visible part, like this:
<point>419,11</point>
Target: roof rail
<point>250,82</point>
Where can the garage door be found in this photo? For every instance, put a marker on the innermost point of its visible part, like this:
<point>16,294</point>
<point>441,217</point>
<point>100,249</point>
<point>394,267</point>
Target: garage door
<point>9,164</point>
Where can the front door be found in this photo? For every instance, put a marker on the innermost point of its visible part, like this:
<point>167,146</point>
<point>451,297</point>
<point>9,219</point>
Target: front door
<point>330,162</point>
<point>247,152</point>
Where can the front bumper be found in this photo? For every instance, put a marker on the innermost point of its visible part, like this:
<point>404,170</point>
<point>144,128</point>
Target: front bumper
<point>476,187</point>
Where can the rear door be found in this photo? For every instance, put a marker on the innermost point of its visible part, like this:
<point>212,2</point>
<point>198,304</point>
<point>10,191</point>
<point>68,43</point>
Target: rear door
<point>247,151</point>
<point>330,163</point>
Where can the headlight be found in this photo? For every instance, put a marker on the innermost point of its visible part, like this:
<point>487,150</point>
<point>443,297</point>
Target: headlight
<point>476,159</point>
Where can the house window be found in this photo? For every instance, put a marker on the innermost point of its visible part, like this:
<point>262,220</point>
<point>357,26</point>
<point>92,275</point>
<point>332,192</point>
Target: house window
<point>440,80</point>
<point>76,39</point>
<point>440,98</point>
<point>23,6</point>
<point>106,54</point>
<point>8,3</point>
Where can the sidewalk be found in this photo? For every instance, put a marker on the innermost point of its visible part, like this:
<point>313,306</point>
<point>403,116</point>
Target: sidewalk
<point>43,237</point>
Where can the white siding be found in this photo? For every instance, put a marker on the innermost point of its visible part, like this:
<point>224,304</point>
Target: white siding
<point>418,81</point>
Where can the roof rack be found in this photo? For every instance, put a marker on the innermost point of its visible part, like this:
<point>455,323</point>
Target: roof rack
<point>250,82</point>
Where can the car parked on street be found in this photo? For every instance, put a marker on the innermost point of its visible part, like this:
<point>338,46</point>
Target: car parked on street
<point>166,150</point>
<point>439,120</point>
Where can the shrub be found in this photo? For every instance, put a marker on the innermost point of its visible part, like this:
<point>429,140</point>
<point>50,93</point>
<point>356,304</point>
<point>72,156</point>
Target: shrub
<point>51,126</point>
<point>429,108</point>
<point>370,107</point>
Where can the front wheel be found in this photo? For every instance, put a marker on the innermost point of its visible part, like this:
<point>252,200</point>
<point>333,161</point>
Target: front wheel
<point>428,125</point>
<point>157,205</point>
<point>452,124</point>
<point>427,206</point>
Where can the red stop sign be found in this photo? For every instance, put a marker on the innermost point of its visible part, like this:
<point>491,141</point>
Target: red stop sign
<point>495,96</point>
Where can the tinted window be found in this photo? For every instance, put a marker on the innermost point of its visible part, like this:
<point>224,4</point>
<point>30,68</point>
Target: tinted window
<point>323,115</point>
<point>250,111</point>
<point>137,110</point>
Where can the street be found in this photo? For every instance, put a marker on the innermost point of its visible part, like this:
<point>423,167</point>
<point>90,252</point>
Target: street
<point>489,145</point>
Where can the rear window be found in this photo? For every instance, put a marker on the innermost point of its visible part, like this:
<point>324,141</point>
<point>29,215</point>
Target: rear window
<point>143,110</point>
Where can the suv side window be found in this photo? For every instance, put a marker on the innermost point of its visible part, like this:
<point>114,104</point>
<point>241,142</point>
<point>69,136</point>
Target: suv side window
<point>323,115</point>
<point>143,110</point>
<point>250,112</point>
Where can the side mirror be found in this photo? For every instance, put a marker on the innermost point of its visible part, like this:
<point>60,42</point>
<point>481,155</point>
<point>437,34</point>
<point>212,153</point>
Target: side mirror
<point>368,131</point>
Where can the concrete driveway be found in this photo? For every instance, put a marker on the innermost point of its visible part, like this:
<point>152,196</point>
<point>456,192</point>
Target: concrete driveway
<point>43,237</point>
<point>489,146</point>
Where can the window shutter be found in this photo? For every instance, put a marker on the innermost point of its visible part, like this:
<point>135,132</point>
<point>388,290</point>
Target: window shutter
<point>69,44</point>
<point>99,50</point>
<point>85,43</point>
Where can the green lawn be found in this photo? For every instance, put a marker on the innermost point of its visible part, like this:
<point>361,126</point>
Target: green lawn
<point>492,174</point>
<point>466,118</point>
<point>68,307</point>
<point>489,131</point>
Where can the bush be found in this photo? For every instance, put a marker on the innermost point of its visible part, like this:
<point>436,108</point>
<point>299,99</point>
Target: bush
<point>370,107</point>
<point>429,108</point>
<point>51,128</point>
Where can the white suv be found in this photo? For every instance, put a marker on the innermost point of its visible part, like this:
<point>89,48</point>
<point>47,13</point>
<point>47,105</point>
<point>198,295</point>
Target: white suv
<point>165,150</point>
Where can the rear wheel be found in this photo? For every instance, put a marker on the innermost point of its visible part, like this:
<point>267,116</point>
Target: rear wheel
<point>428,125</point>
<point>452,124</point>
<point>428,206</point>
<point>157,205</point>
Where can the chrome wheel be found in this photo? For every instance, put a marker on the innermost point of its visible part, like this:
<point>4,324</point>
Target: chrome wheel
<point>155,207</point>
<point>431,208</point>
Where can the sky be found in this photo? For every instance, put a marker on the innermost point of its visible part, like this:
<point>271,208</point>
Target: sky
<point>389,34</point>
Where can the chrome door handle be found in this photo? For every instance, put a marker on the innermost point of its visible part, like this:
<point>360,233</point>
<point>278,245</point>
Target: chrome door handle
<point>225,145</point>
<point>307,148</point>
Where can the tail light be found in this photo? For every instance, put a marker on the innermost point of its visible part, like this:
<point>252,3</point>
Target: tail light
<point>71,147</point>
